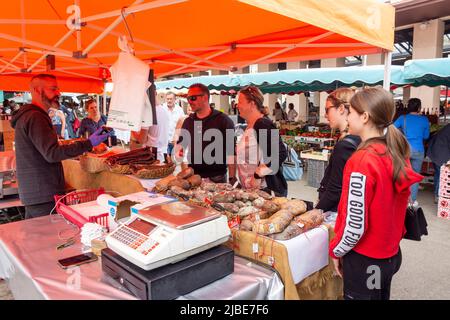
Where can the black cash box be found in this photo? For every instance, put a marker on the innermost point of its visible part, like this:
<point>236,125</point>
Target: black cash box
<point>172,280</point>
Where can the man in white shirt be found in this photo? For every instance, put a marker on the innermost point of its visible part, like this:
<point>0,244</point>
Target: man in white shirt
<point>175,112</point>
<point>158,135</point>
<point>292,114</point>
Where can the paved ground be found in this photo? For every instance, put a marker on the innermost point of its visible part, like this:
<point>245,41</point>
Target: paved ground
<point>425,266</point>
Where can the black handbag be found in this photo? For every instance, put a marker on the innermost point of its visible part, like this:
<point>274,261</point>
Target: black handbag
<point>415,223</point>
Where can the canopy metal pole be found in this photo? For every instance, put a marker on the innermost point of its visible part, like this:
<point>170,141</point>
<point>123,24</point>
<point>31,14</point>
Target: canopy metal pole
<point>445,105</point>
<point>34,43</point>
<point>291,47</point>
<point>184,64</point>
<point>387,70</point>
<point>166,50</point>
<point>47,52</point>
<point>104,99</point>
<point>134,8</point>
<point>57,44</point>
<point>10,65</point>
<point>152,95</point>
<point>31,21</point>
<point>12,61</point>
<point>24,36</point>
<point>97,99</point>
<point>78,74</point>
<point>107,30</point>
<point>78,29</point>
<point>197,62</point>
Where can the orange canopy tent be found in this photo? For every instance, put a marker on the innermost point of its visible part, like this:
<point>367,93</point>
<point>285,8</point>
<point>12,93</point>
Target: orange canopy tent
<point>179,36</point>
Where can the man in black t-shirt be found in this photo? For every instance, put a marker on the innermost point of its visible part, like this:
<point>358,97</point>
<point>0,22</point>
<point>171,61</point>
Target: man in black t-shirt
<point>208,137</point>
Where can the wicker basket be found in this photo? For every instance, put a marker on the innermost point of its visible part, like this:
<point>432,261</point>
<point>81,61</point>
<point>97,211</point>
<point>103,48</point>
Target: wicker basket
<point>93,164</point>
<point>155,171</point>
<point>122,169</point>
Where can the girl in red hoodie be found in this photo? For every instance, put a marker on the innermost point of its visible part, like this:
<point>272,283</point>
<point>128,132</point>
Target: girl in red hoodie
<point>375,192</point>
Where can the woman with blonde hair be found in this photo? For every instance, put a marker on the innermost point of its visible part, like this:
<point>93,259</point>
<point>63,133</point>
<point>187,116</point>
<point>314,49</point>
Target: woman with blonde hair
<point>375,191</point>
<point>336,111</point>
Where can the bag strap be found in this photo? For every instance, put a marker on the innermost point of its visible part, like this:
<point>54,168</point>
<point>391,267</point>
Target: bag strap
<point>289,156</point>
<point>404,124</point>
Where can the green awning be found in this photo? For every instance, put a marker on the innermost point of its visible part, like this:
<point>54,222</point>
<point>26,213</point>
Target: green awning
<point>428,72</point>
<point>293,81</point>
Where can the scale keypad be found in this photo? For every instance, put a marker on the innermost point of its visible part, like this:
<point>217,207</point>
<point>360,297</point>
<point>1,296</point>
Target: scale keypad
<point>135,240</point>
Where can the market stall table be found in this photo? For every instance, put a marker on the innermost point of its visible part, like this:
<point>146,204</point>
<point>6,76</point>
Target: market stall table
<point>10,202</point>
<point>28,261</point>
<point>295,260</point>
<point>79,179</point>
<point>320,284</point>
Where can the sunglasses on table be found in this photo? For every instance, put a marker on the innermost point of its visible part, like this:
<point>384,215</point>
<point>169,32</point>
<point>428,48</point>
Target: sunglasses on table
<point>194,97</point>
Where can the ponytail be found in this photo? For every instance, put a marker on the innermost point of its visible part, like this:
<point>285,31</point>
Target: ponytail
<point>399,150</point>
<point>379,103</point>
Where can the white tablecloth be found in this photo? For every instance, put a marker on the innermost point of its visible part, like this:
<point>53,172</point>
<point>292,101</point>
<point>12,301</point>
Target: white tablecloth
<point>28,261</point>
<point>307,253</point>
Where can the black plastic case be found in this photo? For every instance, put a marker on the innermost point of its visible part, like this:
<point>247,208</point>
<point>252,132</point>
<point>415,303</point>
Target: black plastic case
<point>173,280</point>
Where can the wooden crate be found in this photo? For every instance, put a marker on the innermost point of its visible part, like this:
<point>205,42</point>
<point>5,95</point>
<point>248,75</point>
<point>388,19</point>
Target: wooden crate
<point>5,126</point>
<point>289,126</point>
<point>8,140</point>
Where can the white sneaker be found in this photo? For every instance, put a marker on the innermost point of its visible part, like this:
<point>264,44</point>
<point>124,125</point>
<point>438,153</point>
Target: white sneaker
<point>415,204</point>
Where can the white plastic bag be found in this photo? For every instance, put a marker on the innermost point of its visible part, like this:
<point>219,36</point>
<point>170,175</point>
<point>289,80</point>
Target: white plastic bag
<point>128,101</point>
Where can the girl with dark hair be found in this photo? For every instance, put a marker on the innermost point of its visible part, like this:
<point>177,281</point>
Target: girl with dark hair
<point>260,151</point>
<point>278,113</point>
<point>375,192</point>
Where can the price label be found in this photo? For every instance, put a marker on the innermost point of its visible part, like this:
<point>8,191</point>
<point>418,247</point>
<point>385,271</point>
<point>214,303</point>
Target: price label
<point>300,225</point>
<point>271,261</point>
<point>271,228</point>
<point>255,247</point>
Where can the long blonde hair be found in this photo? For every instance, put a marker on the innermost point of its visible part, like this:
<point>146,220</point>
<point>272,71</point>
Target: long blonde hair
<point>379,104</point>
<point>341,96</point>
<point>338,97</point>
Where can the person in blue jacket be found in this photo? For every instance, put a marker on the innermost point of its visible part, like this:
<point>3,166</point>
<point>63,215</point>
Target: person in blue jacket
<point>416,129</point>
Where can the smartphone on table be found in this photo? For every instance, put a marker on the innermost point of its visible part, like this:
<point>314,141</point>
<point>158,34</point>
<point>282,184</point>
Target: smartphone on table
<point>77,260</point>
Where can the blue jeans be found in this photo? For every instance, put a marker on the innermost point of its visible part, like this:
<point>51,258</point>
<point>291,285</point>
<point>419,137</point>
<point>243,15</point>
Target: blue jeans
<point>170,148</point>
<point>437,178</point>
<point>416,163</point>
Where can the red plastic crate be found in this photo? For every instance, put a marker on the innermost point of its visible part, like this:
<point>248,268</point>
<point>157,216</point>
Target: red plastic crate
<point>64,202</point>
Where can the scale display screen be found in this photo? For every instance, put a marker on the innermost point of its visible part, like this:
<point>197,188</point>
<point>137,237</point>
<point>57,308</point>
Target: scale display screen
<point>141,226</point>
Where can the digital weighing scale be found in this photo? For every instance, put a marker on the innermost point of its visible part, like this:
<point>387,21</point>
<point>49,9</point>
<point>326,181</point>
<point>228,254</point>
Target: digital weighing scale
<point>167,233</point>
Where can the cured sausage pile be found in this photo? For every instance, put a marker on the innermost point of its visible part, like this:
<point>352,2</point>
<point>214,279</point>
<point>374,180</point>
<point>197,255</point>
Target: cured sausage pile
<point>140,162</point>
<point>258,211</point>
<point>142,156</point>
